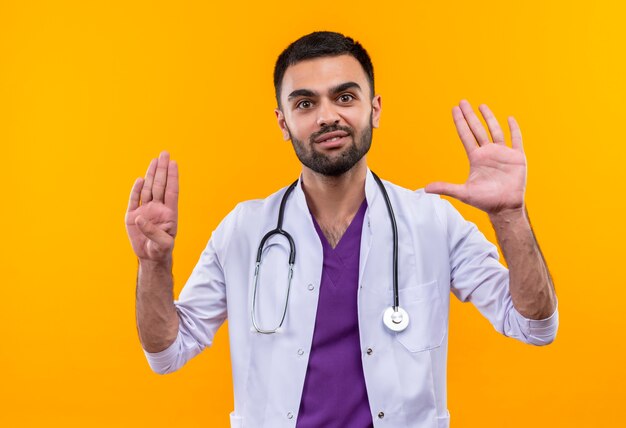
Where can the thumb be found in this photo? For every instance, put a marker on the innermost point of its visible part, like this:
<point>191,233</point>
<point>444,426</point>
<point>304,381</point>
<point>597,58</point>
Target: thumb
<point>456,191</point>
<point>152,232</point>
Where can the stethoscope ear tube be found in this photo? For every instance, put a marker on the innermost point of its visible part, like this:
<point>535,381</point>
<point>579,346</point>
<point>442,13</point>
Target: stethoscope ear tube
<point>292,260</point>
<point>279,229</point>
<point>253,311</point>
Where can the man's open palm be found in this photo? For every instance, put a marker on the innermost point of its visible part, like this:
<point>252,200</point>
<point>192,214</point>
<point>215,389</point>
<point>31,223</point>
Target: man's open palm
<point>497,177</point>
<point>152,215</point>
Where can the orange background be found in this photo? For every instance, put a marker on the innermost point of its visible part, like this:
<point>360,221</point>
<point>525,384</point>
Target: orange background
<point>91,91</point>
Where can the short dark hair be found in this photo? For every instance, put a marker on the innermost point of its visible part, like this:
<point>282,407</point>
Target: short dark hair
<point>320,44</point>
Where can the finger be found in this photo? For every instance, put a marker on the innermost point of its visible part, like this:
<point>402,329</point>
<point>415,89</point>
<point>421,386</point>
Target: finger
<point>516,134</point>
<point>160,178</point>
<point>171,189</point>
<point>494,127</point>
<point>467,138</point>
<point>133,201</point>
<point>474,123</point>
<point>146,192</point>
<point>456,191</point>
<point>153,233</point>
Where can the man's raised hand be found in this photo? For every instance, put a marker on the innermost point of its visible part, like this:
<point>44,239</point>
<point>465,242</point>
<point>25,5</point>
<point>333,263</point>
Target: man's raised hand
<point>497,177</point>
<point>152,215</point>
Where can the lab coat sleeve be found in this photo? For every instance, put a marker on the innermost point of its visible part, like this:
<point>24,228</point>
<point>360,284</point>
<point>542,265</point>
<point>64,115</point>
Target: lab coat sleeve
<point>201,305</point>
<point>477,276</point>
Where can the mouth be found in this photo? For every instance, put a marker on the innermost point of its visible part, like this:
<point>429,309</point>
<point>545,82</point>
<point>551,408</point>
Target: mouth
<point>332,139</point>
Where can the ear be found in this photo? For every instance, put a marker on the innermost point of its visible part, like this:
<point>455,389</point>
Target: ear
<point>376,109</point>
<point>280,118</point>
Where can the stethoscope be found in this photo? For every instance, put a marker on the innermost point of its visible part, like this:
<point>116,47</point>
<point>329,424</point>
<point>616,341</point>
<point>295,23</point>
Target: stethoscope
<point>395,318</point>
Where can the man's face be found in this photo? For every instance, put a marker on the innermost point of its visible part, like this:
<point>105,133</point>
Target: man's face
<point>328,113</point>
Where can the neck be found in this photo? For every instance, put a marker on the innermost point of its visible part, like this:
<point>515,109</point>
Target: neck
<point>335,199</point>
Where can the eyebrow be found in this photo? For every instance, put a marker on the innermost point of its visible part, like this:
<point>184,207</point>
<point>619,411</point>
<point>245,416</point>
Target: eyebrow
<point>334,90</point>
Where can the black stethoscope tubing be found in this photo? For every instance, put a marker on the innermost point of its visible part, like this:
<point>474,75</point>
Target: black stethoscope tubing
<point>394,229</point>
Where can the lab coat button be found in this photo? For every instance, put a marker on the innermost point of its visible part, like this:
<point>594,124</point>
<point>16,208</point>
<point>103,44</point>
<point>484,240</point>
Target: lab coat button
<point>311,287</point>
<point>289,415</point>
<point>369,351</point>
<point>300,352</point>
<point>381,415</point>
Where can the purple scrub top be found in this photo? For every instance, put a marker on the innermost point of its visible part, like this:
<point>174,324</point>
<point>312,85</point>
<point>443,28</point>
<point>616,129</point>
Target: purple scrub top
<point>334,393</point>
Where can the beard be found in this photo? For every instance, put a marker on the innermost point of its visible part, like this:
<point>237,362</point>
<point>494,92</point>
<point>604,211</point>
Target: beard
<point>333,166</point>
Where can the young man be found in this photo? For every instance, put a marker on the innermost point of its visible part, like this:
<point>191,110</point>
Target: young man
<point>321,333</point>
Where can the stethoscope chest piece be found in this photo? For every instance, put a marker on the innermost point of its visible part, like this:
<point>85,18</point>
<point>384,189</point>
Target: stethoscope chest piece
<point>396,319</point>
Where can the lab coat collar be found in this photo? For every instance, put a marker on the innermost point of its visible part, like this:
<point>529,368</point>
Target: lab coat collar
<point>371,188</point>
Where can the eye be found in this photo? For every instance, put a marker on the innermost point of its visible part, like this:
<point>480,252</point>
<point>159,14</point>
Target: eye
<point>346,98</point>
<point>304,104</point>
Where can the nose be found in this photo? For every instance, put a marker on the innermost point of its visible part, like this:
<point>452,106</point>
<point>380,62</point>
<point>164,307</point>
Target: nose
<point>327,115</point>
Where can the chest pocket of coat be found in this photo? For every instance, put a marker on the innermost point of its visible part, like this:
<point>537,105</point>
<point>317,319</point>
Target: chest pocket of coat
<point>427,321</point>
